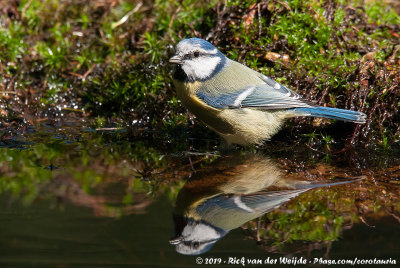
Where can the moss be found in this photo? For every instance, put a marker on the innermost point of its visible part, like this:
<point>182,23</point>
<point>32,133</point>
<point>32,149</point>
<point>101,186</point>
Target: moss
<point>380,13</point>
<point>110,59</point>
<point>89,159</point>
<point>335,53</point>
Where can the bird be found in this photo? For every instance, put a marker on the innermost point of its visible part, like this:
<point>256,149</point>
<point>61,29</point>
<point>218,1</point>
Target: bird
<point>232,191</point>
<point>242,105</point>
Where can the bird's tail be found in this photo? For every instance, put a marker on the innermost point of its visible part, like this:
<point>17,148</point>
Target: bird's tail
<point>333,113</point>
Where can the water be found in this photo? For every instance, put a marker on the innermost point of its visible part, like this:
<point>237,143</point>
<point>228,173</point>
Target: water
<point>75,197</point>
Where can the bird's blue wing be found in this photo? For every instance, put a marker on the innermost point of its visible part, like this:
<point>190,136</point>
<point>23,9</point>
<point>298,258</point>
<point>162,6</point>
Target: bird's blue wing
<point>269,96</point>
<point>262,201</point>
<point>228,100</point>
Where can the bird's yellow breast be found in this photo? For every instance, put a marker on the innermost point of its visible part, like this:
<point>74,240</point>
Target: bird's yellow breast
<point>241,126</point>
<point>186,92</point>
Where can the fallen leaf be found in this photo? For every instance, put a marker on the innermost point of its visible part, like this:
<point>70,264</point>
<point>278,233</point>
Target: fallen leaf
<point>272,56</point>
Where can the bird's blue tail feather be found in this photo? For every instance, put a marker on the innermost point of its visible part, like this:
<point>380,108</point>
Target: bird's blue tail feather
<point>333,113</point>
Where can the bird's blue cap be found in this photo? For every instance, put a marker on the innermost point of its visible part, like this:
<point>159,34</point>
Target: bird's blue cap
<point>189,44</point>
<point>194,41</point>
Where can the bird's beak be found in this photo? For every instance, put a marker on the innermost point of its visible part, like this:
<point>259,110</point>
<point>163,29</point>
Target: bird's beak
<point>175,59</point>
<point>176,240</point>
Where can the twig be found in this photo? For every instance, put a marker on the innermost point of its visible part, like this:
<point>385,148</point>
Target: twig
<point>72,109</point>
<point>172,19</point>
<point>11,83</point>
<point>393,215</point>
<point>363,220</point>
<point>259,21</point>
<point>315,149</point>
<point>126,17</point>
<point>25,8</point>
<point>85,75</point>
<point>109,128</point>
<point>191,164</point>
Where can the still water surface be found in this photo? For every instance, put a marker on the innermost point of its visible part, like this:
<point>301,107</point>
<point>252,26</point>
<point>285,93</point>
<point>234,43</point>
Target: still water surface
<point>72,196</point>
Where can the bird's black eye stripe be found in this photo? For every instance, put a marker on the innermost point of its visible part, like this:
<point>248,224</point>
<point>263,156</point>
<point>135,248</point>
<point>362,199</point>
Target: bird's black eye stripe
<point>192,55</point>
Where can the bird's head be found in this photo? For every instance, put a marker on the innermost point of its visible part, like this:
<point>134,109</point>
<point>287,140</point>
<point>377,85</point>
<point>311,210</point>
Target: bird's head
<point>197,60</point>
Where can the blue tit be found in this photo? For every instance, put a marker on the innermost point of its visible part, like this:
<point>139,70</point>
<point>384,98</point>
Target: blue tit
<point>240,104</point>
<point>237,189</point>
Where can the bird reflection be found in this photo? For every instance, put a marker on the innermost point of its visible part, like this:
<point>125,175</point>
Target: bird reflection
<point>232,191</point>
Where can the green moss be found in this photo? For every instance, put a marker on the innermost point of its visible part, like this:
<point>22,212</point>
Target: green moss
<point>310,220</point>
<point>12,47</point>
<point>380,13</point>
<point>140,82</point>
<point>88,160</point>
<point>112,59</point>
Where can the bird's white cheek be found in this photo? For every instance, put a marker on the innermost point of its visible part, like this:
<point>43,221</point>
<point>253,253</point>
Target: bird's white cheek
<point>199,231</point>
<point>201,68</point>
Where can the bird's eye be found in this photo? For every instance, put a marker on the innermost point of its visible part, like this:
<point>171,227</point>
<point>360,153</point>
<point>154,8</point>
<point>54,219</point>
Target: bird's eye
<point>196,54</point>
